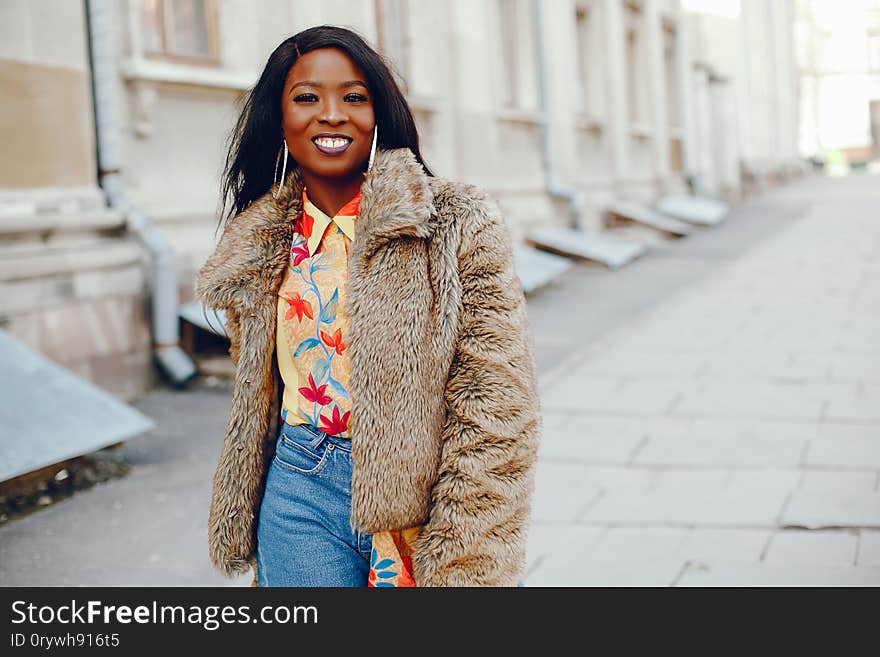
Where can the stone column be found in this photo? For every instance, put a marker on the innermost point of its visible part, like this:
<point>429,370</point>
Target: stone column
<point>657,89</point>
<point>616,90</point>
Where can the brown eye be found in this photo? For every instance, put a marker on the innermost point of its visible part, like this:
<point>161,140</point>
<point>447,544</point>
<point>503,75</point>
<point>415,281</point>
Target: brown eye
<point>355,98</point>
<point>305,98</point>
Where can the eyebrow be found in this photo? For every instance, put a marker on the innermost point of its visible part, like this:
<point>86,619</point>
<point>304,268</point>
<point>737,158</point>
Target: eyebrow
<point>314,83</point>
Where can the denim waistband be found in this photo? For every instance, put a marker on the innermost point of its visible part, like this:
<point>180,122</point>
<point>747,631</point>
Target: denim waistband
<point>314,436</point>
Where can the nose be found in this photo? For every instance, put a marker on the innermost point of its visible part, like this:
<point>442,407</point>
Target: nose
<point>332,112</point>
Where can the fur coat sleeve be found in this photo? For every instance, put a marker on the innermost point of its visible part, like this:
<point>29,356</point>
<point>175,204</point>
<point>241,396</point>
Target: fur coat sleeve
<point>481,502</point>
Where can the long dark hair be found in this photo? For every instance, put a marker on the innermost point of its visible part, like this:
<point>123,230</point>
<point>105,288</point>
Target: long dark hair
<point>256,138</point>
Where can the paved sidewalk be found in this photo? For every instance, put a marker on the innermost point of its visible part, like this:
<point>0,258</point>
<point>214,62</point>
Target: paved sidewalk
<point>730,435</point>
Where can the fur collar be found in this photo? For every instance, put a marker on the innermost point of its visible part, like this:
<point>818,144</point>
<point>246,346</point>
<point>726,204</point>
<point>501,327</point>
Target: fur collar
<point>250,258</point>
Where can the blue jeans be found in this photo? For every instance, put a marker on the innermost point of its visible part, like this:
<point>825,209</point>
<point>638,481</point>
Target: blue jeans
<point>304,535</point>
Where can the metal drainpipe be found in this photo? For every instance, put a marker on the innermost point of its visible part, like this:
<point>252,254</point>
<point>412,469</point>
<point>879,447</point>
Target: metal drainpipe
<point>172,360</point>
<point>554,186</point>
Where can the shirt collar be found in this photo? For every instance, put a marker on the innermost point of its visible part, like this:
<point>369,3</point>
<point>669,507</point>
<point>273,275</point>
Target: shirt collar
<point>344,219</point>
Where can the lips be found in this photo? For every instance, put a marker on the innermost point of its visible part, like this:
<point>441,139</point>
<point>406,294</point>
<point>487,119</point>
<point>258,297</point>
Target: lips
<point>332,144</point>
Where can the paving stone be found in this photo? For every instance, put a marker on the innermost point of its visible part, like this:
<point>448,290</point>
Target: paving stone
<point>854,452</point>
<point>737,366</point>
<point>624,425</point>
<point>569,448</point>
<point>831,430</point>
<point>610,572</point>
<point>722,452</point>
<point>622,478</point>
<point>559,541</point>
<point>561,492</point>
<point>552,420</point>
<point>832,508</point>
<point>642,397</point>
<point>631,544</point>
<point>645,364</point>
<point>835,481</point>
<point>733,427</point>
<point>760,400</point>
<point>578,394</point>
<point>721,573</point>
<point>828,548</point>
<point>682,499</point>
<point>770,480</point>
<point>744,545</point>
<point>846,368</point>
<point>862,405</point>
<point>869,548</point>
<point>619,556</point>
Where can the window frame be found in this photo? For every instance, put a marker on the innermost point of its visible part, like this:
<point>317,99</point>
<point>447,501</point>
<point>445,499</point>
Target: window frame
<point>212,59</point>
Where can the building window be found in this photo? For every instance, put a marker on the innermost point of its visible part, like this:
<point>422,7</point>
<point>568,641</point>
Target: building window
<point>590,97</point>
<point>180,29</point>
<point>516,55</point>
<point>636,65</point>
<point>392,29</point>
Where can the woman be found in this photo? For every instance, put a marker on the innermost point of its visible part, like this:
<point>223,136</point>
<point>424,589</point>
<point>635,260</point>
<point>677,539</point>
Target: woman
<point>385,414</point>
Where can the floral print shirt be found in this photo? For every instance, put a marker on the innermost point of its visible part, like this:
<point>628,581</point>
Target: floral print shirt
<point>312,358</point>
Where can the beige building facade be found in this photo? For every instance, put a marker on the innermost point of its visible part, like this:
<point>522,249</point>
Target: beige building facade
<point>604,99</point>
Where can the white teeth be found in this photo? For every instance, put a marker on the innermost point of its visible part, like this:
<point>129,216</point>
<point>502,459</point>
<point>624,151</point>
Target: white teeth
<point>328,142</point>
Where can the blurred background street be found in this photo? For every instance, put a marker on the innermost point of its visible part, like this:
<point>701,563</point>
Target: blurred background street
<point>691,188</point>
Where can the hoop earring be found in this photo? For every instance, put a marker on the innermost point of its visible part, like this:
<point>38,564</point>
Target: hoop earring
<point>373,147</point>
<point>283,170</point>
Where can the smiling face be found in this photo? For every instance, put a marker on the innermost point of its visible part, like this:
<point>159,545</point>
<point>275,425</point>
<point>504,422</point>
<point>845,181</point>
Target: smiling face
<point>327,115</point>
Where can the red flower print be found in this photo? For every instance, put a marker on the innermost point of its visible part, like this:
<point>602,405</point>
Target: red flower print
<point>336,424</point>
<point>334,340</point>
<point>298,307</point>
<point>315,393</point>
<point>299,253</point>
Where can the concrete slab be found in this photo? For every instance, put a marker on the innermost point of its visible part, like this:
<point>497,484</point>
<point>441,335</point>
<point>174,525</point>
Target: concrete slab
<point>195,312</point>
<point>536,268</point>
<point>693,209</point>
<point>37,392</point>
<point>608,250</point>
<point>626,212</point>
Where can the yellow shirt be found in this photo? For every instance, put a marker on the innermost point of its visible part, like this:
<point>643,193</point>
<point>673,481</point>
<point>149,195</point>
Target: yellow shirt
<point>312,326</point>
<point>312,357</point>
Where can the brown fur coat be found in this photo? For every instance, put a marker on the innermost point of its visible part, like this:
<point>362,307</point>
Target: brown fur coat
<point>456,451</point>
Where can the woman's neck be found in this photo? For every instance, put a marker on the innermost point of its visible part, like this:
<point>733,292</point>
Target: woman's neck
<point>329,195</point>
